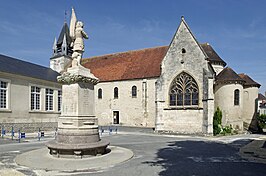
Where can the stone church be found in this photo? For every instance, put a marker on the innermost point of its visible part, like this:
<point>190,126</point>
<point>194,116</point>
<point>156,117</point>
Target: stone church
<point>173,88</point>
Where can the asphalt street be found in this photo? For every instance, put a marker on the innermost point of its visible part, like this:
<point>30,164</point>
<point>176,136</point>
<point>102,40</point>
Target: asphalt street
<point>156,155</point>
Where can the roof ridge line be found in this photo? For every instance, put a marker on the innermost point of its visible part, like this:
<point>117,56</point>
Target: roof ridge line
<point>126,51</point>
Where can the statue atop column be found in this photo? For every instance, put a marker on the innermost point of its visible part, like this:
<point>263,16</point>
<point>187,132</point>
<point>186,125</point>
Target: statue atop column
<point>77,35</point>
<point>78,132</point>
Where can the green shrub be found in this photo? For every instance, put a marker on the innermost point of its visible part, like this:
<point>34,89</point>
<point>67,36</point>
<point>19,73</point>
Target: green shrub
<point>217,121</point>
<point>227,130</point>
<point>262,120</point>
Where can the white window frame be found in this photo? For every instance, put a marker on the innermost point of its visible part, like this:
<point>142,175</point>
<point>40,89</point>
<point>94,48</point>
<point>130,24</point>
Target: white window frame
<point>7,103</point>
<point>49,99</point>
<point>35,93</point>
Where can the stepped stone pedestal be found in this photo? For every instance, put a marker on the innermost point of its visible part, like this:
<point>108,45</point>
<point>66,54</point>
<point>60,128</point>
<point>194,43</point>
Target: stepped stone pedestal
<point>78,134</point>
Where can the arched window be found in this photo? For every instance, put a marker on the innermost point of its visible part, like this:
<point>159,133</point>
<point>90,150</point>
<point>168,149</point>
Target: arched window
<point>115,92</point>
<point>183,51</point>
<point>100,93</point>
<point>184,91</point>
<point>236,97</point>
<point>134,91</point>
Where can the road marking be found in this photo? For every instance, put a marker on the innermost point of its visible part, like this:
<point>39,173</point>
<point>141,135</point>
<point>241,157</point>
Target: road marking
<point>15,151</point>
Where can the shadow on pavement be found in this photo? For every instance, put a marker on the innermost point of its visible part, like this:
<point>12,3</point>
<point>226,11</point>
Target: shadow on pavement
<point>201,158</point>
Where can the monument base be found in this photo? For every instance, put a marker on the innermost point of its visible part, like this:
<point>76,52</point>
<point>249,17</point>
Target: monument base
<point>83,150</point>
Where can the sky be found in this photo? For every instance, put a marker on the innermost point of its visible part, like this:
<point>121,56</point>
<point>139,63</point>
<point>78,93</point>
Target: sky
<point>236,29</point>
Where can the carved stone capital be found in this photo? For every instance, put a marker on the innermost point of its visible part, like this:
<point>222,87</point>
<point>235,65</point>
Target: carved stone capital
<point>70,78</point>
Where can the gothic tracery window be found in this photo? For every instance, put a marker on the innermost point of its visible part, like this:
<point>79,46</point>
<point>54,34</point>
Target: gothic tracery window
<point>184,91</point>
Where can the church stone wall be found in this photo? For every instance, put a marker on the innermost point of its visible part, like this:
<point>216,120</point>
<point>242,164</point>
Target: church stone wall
<point>182,121</point>
<point>133,111</point>
<point>192,61</point>
<point>19,114</point>
<point>224,99</point>
<point>250,95</point>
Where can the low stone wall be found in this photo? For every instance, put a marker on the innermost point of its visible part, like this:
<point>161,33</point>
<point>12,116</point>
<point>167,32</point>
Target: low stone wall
<point>29,127</point>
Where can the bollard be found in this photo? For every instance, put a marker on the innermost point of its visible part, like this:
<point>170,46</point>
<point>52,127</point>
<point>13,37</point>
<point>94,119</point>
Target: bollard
<point>12,132</point>
<point>3,132</point>
<point>19,135</point>
<point>55,133</point>
<point>110,130</point>
<point>39,135</point>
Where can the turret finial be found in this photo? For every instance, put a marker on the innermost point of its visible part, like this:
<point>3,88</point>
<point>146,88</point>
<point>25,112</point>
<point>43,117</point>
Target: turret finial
<point>54,47</point>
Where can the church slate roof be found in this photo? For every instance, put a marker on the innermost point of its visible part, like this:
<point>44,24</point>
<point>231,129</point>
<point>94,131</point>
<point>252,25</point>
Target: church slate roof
<point>248,80</point>
<point>229,75</point>
<point>213,56</point>
<point>19,67</point>
<point>137,64</point>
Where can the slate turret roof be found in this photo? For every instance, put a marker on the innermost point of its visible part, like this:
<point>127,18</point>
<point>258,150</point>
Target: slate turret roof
<point>19,67</point>
<point>229,75</point>
<point>248,81</point>
<point>64,31</point>
<point>213,56</point>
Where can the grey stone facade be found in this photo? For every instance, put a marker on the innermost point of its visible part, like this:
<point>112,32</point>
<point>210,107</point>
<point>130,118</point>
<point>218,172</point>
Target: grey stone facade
<point>185,55</point>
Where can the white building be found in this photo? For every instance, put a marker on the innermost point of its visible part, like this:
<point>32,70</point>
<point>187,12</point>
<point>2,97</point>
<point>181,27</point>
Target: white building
<point>30,96</point>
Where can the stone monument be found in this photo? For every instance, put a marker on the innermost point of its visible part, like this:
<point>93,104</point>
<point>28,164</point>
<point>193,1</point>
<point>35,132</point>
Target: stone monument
<point>77,134</point>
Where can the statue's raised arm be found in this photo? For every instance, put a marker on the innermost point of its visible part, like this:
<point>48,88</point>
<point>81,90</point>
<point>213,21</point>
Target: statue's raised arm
<point>78,45</point>
<point>77,35</point>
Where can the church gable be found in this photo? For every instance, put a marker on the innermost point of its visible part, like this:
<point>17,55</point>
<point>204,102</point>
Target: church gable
<point>184,54</point>
<point>184,48</point>
<point>184,90</point>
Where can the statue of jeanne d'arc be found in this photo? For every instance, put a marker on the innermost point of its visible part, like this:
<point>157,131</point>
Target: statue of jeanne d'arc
<point>77,35</point>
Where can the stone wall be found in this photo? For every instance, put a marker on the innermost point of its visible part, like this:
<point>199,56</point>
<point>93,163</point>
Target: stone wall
<point>29,127</point>
<point>224,99</point>
<point>249,112</point>
<point>133,111</point>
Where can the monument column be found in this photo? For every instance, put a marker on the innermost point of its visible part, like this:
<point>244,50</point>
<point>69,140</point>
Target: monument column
<point>77,126</point>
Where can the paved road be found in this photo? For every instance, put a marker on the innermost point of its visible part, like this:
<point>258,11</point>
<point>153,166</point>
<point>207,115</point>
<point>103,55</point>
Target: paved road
<point>158,155</point>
